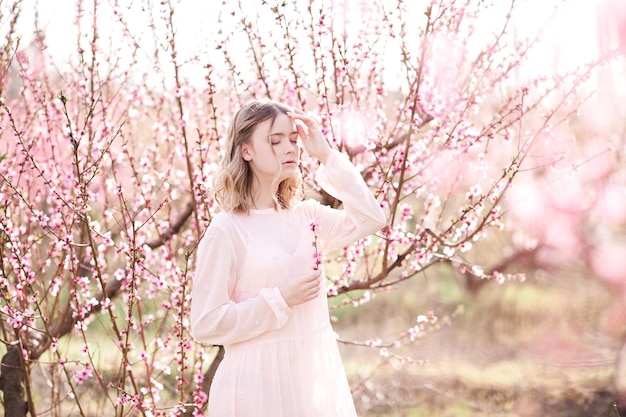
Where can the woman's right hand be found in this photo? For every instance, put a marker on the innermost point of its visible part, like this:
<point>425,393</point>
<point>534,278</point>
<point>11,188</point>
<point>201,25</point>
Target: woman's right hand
<point>301,289</point>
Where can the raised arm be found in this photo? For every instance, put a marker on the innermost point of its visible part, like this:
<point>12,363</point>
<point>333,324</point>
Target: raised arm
<point>361,214</point>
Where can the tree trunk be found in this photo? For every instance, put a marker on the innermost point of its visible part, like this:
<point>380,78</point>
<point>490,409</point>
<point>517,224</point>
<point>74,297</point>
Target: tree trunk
<point>12,383</point>
<point>208,378</point>
<point>210,373</point>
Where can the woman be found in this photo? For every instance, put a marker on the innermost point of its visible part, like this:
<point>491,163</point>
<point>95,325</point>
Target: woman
<point>258,288</point>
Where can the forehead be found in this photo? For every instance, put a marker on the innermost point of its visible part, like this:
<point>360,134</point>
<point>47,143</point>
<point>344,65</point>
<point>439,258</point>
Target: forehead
<point>281,125</point>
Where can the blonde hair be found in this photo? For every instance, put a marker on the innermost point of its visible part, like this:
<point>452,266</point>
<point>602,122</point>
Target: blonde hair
<point>233,182</point>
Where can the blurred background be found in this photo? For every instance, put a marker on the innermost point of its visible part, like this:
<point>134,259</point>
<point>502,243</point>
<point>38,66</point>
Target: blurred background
<point>520,103</point>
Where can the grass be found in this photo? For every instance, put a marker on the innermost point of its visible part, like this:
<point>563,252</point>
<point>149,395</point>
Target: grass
<point>512,388</point>
<point>519,350</point>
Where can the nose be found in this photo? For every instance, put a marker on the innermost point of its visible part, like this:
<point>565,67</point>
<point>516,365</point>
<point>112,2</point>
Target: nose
<point>292,147</point>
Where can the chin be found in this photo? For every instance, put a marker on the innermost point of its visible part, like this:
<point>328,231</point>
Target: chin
<point>285,175</point>
<point>288,170</point>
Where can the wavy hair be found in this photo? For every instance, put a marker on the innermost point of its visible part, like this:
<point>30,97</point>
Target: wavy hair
<point>233,182</point>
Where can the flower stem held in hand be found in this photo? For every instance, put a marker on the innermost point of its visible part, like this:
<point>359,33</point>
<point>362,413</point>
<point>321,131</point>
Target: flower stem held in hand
<point>317,256</point>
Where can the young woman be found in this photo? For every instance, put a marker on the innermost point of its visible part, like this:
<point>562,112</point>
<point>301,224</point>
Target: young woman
<point>259,287</point>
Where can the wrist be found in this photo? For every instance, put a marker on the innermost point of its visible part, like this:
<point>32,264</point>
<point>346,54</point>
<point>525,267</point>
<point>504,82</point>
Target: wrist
<point>324,157</point>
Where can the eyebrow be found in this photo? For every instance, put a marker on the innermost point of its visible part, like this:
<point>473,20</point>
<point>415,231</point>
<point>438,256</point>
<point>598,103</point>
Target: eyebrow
<point>284,134</point>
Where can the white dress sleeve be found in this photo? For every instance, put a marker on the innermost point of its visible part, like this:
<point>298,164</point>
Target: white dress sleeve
<point>361,215</point>
<point>215,318</point>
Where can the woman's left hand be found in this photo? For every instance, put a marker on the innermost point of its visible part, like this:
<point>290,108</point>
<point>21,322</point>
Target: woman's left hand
<point>312,138</point>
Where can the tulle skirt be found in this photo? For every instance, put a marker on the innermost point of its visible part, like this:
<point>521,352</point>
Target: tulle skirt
<point>283,377</point>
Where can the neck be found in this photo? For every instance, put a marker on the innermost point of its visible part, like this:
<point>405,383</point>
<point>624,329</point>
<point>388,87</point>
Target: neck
<point>263,196</point>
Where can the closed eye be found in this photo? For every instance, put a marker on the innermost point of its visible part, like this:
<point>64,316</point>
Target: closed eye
<point>276,138</point>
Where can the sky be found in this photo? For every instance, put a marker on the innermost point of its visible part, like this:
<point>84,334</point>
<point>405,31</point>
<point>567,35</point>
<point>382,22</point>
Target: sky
<point>570,40</point>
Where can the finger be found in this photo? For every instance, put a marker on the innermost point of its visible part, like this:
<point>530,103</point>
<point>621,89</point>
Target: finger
<point>311,276</point>
<point>301,132</point>
<point>300,115</point>
<point>315,278</point>
<point>315,287</point>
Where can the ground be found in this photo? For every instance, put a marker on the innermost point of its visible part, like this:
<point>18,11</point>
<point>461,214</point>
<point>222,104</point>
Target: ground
<point>546,347</point>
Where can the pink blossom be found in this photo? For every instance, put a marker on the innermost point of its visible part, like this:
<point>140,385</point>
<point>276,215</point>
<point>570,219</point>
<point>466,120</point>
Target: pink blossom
<point>317,256</point>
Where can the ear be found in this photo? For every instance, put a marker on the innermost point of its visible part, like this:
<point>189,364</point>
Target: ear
<point>245,152</point>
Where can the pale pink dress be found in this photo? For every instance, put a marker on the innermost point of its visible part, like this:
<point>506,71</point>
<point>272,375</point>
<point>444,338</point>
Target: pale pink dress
<point>279,361</point>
